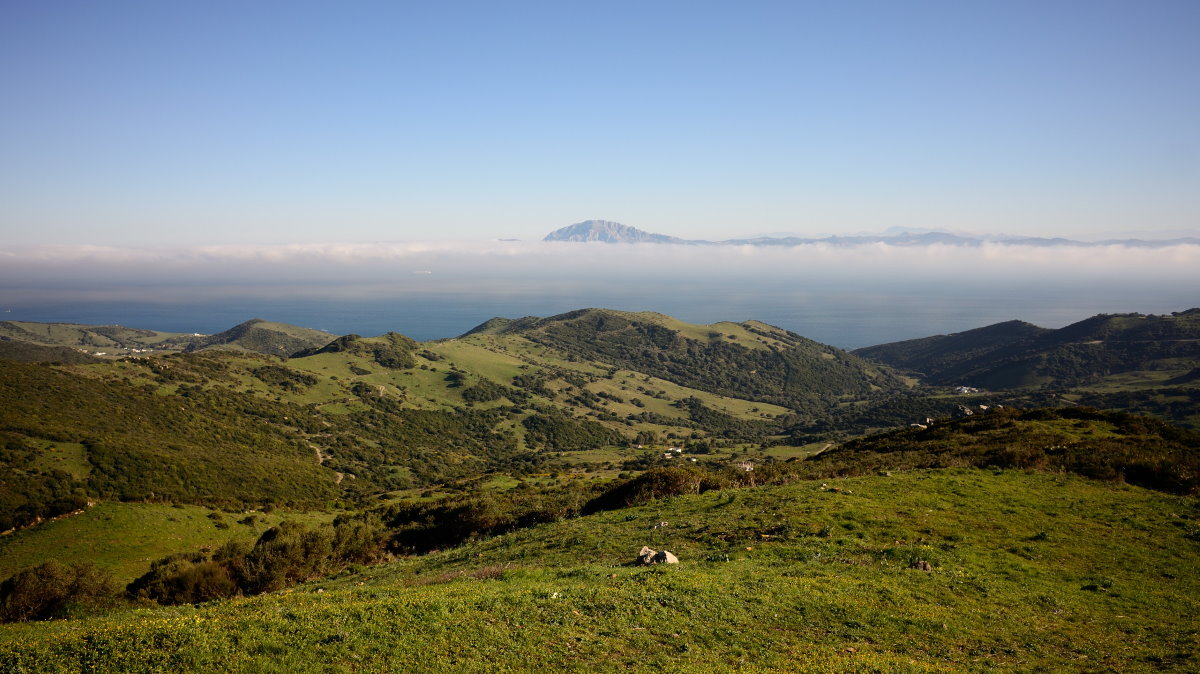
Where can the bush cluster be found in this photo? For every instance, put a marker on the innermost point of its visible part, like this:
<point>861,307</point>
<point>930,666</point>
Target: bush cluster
<point>54,590</point>
<point>284,555</point>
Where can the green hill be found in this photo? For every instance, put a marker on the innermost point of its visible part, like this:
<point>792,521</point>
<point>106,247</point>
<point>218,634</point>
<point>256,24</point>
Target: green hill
<point>109,340</point>
<point>118,440</point>
<point>277,339</point>
<point>257,335</point>
<point>1093,443</point>
<point>751,360</point>
<point>1017,355</point>
<point>944,352</point>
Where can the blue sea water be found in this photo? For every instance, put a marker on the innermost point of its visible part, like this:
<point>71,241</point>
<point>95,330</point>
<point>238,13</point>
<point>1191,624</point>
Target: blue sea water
<point>844,316</point>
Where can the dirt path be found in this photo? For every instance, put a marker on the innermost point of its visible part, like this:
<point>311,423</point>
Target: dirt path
<point>321,460</point>
<point>41,520</point>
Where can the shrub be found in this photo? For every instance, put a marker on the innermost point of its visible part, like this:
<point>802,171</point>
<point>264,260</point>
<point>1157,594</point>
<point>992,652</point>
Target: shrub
<point>186,578</point>
<point>53,590</point>
<point>654,484</point>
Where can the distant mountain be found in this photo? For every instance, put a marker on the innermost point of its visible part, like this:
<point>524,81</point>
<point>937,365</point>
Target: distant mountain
<point>278,339</point>
<point>608,232</point>
<point>1019,355</point>
<point>750,360</point>
<point>614,232</point>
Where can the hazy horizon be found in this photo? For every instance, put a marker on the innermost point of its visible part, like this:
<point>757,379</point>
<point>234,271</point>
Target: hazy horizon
<point>848,296</point>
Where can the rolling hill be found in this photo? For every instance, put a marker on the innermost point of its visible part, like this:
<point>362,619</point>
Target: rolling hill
<point>110,340</point>
<point>256,335</point>
<point>350,417</point>
<point>1016,355</point>
<point>277,339</point>
<point>750,360</point>
<point>478,502</point>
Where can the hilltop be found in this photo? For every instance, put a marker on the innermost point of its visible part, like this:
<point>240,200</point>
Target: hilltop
<point>750,360</point>
<point>279,339</point>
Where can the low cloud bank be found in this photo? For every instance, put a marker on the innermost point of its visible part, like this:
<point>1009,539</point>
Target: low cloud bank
<point>405,269</point>
<point>593,256</point>
<point>848,296</point>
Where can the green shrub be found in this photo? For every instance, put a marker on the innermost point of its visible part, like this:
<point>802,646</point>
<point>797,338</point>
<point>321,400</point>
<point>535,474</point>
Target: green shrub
<point>53,590</point>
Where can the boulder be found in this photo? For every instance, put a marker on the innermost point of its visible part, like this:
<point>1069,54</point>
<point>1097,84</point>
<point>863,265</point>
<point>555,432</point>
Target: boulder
<point>647,556</point>
<point>665,557</point>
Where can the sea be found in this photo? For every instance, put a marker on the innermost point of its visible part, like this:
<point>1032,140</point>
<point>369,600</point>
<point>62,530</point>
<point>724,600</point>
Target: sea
<point>841,314</point>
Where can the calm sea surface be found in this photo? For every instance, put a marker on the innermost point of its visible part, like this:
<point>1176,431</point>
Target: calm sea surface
<point>848,317</point>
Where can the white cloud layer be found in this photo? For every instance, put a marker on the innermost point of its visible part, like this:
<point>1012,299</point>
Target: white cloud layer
<point>849,296</point>
<point>454,263</point>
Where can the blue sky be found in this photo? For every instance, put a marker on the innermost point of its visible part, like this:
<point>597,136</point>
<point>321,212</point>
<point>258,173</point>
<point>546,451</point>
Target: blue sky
<point>164,123</point>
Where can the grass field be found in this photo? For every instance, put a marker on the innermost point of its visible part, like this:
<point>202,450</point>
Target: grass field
<point>125,538</point>
<point>1022,576</point>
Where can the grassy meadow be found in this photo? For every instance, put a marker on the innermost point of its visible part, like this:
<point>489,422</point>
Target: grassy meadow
<point>814,576</point>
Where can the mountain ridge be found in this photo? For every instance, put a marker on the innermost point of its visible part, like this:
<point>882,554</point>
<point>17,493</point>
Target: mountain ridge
<point>606,231</point>
<point>1016,355</point>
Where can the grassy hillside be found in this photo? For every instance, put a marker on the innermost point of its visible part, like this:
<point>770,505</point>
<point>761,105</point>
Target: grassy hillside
<point>1018,574</point>
<point>108,340</point>
<point>14,349</point>
<point>277,339</point>
<point>136,442</point>
<point>517,400</point>
<point>1013,355</point>
<point>124,538</point>
<point>255,335</point>
<point>975,543</point>
<point>1102,445</point>
<point>353,417</point>
<point>933,355</point>
<point>753,361</point>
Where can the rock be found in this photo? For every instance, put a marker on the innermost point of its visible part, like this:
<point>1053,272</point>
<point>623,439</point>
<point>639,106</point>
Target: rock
<point>922,565</point>
<point>665,557</point>
<point>646,555</point>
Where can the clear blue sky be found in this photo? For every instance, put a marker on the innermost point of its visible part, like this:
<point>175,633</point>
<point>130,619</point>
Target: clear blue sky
<point>176,123</point>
